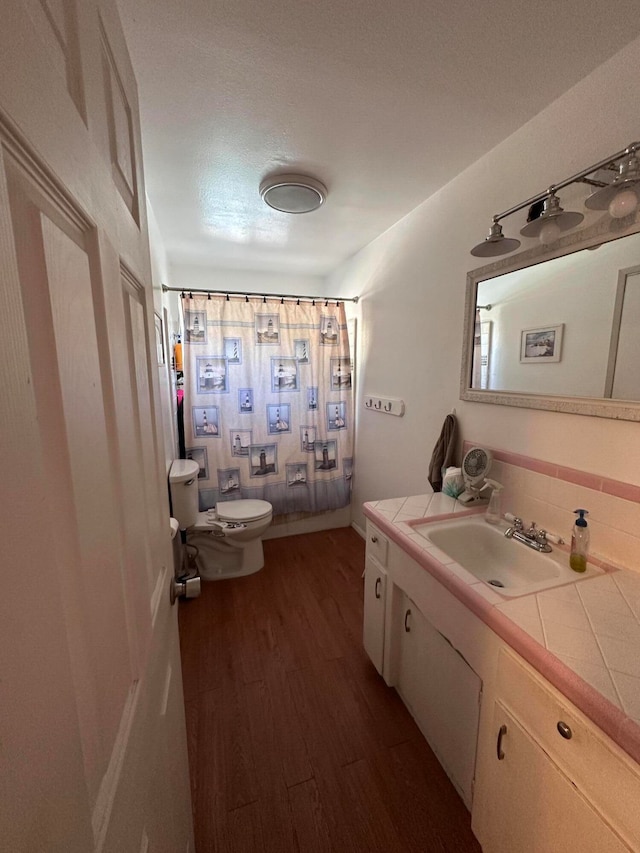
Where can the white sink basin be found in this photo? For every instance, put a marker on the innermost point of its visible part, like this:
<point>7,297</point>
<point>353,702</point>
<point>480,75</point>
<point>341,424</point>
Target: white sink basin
<point>506,565</point>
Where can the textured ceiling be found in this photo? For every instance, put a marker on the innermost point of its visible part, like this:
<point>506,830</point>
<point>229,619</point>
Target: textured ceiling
<point>383,100</point>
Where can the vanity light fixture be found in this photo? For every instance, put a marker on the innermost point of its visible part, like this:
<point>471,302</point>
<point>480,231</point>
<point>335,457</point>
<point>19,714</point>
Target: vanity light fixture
<point>621,198</point>
<point>495,243</point>
<point>552,221</point>
<point>293,193</point>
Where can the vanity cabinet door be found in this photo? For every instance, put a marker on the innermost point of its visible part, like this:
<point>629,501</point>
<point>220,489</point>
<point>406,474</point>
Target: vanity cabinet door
<point>375,596</point>
<point>443,694</point>
<point>531,806</point>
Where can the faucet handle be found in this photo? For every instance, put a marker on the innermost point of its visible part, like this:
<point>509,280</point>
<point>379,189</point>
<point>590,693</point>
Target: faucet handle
<point>517,523</point>
<point>541,537</point>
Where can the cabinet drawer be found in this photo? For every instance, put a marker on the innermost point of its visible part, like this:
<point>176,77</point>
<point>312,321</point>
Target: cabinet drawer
<point>377,544</point>
<point>596,765</point>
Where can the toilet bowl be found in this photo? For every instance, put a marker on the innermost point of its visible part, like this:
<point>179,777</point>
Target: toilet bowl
<point>227,540</point>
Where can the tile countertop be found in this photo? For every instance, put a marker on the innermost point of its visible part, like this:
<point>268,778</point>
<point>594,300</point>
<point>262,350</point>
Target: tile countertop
<point>583,637</point>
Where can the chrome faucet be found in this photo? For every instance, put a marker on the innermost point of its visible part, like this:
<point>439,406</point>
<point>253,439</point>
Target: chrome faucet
<point>532,538</point>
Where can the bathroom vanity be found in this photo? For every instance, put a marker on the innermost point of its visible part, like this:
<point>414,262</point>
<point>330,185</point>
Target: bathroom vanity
<point>544,759</point>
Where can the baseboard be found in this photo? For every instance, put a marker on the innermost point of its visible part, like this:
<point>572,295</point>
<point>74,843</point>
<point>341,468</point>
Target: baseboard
<point>358,530</point>
<point>310,523</point>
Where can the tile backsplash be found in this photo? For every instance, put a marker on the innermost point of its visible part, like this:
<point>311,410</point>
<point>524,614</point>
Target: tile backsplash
<point>547,494</point>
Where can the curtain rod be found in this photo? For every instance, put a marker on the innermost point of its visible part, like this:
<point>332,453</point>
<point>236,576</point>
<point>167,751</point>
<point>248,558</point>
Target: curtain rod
<point>264,296</point>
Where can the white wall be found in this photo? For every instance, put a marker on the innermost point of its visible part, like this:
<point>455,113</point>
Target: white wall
<point>209,278</point>
<point>412,284</point>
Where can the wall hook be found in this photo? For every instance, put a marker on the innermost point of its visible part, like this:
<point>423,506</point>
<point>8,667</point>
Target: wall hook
<point>385,405</point>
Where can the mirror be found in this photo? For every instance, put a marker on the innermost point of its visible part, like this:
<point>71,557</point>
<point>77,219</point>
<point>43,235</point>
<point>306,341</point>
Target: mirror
<point>559,329</point>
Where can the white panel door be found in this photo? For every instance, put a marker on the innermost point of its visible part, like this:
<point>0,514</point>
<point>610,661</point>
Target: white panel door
<point>92,747</point>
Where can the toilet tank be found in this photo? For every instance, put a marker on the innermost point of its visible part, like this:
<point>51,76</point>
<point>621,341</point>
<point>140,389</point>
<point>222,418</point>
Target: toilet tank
<point>183,484</point>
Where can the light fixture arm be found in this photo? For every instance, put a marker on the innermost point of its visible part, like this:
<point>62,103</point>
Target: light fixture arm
<point>611,160</point>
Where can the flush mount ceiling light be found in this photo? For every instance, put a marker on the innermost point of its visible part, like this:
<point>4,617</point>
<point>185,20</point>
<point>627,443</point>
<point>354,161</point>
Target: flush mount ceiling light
<point>621,197</point>
<point>293,193</point>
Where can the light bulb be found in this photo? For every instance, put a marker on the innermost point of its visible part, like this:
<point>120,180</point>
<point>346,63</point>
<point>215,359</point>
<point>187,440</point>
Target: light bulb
<point>549,232</point>
<point>623,203</point>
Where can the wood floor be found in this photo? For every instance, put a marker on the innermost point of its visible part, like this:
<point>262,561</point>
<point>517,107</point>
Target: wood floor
<point>295,742</point>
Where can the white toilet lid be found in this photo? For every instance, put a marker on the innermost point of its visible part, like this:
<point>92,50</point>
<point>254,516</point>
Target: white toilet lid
<point>244,510</point>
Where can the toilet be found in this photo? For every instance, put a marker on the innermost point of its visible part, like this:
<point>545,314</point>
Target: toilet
<point>228,539</point>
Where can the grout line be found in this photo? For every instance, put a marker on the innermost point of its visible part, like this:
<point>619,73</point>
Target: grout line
<point>626,600</point>
<point>544,632</point>
<point>595,635</point>
<point>544,635</point>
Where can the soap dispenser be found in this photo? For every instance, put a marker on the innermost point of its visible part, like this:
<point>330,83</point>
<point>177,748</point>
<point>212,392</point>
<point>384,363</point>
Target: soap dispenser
<point>579,542</point>
<point>494,510</point>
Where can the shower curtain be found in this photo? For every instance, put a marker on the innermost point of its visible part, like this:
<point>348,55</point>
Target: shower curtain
<point>268,401</point>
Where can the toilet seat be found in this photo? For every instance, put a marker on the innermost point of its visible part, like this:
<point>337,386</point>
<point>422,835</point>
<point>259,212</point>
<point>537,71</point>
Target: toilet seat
<point>243,511</point>
<point>206,521</point>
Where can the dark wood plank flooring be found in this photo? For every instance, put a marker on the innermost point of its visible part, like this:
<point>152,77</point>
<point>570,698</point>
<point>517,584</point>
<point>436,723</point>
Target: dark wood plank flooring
<point>295,742</point>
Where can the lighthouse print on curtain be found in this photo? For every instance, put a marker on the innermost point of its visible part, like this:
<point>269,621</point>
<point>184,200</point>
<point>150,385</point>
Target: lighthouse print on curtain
<point>268,402</point>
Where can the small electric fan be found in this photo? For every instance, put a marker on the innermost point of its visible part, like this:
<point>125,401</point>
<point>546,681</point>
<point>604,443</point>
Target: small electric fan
<point>475,467</point>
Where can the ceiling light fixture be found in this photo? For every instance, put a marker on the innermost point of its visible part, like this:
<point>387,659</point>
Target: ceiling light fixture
<point>621,198</point>
<point>293,193</point>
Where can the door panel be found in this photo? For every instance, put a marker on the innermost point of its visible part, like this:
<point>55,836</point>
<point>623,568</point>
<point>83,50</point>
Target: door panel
<point>93,752</point>
<point>138,356</point>
<point>56,23</point>
<point>119,123</point>
<point>55,283</point>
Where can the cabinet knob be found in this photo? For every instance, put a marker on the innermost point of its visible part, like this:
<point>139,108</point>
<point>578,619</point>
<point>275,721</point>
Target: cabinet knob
<point>407,627</point>
<point>501,733</point>
<point>377,588</point>
<point>374,539</point>
<point>565,730</point>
